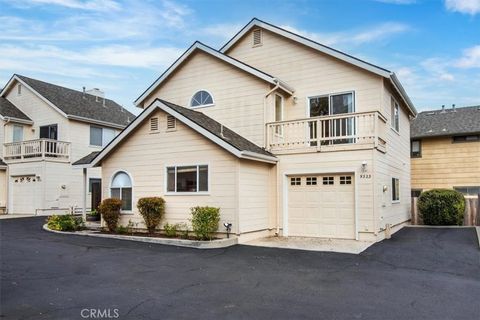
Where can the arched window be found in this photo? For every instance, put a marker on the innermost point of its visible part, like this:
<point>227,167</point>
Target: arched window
<point>201,99</point>
<point>121,188</point>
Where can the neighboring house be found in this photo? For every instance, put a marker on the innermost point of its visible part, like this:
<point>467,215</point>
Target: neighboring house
<point>43,129</point>
<point>445,150</point>
<point>285,135</point>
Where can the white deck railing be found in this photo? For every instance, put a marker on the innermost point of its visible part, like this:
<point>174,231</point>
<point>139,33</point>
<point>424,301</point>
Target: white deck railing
<point>39,149</point>
<point>327,133</point>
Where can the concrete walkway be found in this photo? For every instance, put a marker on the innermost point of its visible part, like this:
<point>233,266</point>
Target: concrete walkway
<point>312,244</point>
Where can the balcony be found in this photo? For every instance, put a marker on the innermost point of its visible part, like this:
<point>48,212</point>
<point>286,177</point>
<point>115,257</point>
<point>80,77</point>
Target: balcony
<point>352,131</point>
<point>35,150</point>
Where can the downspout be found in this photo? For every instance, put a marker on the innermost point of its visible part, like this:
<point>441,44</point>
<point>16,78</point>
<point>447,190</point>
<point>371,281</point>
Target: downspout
<point>277,220</point>
<point>7,172</point>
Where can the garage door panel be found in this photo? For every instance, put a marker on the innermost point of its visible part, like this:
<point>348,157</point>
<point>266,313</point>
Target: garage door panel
<point>322,210</point>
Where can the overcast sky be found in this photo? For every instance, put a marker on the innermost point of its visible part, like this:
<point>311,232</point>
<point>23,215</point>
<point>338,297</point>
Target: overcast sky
<point>123,46</point>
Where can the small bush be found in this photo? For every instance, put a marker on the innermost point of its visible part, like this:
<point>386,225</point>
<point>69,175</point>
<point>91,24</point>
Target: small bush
<point>67,222</point>
<point>183,228</point>
<point>152,210</point>
<point>122,230</point>
<point>205,221</point>
<point>110,211</point>
<point>441,207</point>
<point>170,230</point>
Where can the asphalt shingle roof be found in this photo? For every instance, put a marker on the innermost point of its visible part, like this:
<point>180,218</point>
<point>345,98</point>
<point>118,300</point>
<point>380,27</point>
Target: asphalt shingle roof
<point>76,103</point>
<point>87,159</point>
<point>8,109</point>
<point>215,127</point>
<point>449,122</point>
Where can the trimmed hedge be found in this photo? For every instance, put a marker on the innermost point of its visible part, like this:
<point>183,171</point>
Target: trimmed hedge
<point>205,221</point>
<point>110,211</point>
<point>441,207</point>
<point>152,210</point>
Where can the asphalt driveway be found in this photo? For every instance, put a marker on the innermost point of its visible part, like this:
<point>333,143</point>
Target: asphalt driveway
<point>418,274</point>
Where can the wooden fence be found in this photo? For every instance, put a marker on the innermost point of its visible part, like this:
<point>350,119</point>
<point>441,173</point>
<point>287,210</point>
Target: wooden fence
<point>471,216</point>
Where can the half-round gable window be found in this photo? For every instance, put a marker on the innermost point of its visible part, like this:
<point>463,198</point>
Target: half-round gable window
<point>121,188</point>
<point>201,99</point>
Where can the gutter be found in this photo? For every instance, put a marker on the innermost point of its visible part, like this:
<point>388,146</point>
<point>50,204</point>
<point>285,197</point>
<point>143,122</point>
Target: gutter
<point>18,120</point>
<point>99,122</point>
<point>258,157</point>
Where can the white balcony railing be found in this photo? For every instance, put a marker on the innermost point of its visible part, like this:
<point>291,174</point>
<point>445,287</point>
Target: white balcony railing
<point>39,149</point>
<point>327,133</point>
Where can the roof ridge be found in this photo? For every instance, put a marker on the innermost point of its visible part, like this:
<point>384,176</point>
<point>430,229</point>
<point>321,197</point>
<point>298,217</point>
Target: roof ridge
<point>450,109</point>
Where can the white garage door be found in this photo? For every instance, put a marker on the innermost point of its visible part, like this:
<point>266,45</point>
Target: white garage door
<point>321,206</point>
<point>24,190</point>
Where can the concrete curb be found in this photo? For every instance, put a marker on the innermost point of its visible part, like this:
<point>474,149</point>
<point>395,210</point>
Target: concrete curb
<point>478,235</point>
<point>437,227</point>
<point>214,244</point>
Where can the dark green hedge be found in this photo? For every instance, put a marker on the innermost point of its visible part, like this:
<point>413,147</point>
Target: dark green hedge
<point>441,207</point>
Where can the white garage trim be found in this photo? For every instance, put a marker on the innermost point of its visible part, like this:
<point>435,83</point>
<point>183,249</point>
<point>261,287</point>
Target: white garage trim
<point>286,174</point>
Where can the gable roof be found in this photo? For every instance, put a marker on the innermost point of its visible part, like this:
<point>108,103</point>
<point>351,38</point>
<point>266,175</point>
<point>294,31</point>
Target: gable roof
<point>326,50</point>
<point>76,105</point>
<point>198,46</point>
<point>449,122</point>
<point>201,123</point>
<point>9,111</point>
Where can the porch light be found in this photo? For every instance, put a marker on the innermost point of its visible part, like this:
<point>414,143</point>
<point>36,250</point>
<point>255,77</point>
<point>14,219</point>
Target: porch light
<point>228,227</point>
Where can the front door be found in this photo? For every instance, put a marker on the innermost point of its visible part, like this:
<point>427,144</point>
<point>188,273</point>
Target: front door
<point>96,194</point>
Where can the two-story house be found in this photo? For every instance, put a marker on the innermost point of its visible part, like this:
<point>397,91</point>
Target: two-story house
<point>287,136</point>
<point>43,129</point>
<point>445,150</point>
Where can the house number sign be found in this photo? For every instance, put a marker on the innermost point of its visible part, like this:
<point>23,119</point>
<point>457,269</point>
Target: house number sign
<point>365,176</point>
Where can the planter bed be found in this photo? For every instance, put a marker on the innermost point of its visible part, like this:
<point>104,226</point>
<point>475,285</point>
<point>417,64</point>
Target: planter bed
<point>156,238</point>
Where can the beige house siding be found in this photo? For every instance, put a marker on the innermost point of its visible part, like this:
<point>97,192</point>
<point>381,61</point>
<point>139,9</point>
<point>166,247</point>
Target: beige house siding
<point>3,188</point>
<point>256,192</point>
<point>309,72</point>
<point>395,163</point>
<point>145,156</point>
<point>445,164</point>
<point>238,96</point>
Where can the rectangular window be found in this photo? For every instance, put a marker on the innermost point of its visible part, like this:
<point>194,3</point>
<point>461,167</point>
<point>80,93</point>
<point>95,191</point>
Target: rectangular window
<point>395,115</point>
<point>101,136</point>
<point>395,190</point>
<point>415,193</point>
<point>49,132</point>
<point>311,181</point>
<point>471,138</point>
<point>469,191</point>
<point>17,133</point>
<point>346,180</point>
<point>328,180</point>
<point>295,181</point>
<point>187,178</point>
<point>416,149</point>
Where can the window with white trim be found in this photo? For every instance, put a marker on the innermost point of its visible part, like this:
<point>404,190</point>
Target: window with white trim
<point>100,137</point>
<point>17,133</point>
<point>187,178</point>
<point>395,116</point>
<point>121,188</point>
<point>201,98</point>
<point>328,180</point>
<point>295,181</point>
<point>395,190</point>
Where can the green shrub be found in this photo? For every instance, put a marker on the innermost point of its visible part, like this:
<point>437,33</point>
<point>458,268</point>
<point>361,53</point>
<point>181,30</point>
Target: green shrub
<point>183,228</point>
<point>110,211</point>
<point>67,222</point>
<point>122,230</point>
<point>441,207</point>
<point>152,210</point>
<point>205,221</point>
<point>170,230</point>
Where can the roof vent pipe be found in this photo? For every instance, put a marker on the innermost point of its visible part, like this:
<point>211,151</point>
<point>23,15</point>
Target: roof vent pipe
<point>453,107</point>
<point>83,96</point>
<point>443,108</point>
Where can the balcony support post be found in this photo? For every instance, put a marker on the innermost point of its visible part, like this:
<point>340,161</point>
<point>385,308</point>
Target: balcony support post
<point>84,195</point>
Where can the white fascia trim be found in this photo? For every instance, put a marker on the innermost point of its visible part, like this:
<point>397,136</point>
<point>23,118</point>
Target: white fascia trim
<point>398,86</point>
<point>99,122</point>
<point>258,157</point>
<point>17,120</point>
<point>306,42</point>
<point>35,92</point>
<point>219,55</point>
